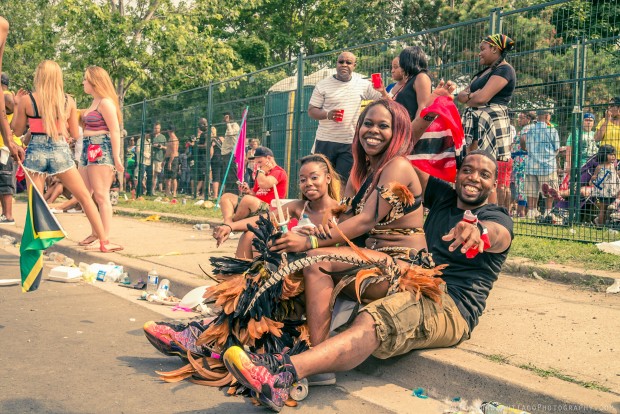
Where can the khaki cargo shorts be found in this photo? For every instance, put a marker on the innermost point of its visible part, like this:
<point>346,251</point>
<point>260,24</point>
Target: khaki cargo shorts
<point>404,324</point>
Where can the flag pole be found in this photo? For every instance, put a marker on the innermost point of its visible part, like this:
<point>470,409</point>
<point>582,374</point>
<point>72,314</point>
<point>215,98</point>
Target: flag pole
<point>223,183</point>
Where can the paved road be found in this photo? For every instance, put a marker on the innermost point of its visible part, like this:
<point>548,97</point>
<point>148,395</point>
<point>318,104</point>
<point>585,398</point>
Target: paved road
<point>76,348</point>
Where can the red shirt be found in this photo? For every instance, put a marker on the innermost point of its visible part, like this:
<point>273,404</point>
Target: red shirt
<point>282,186</point>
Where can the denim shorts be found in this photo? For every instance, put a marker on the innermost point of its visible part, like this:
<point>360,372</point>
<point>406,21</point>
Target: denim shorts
<point>105,143</point>
<point>46,156</point>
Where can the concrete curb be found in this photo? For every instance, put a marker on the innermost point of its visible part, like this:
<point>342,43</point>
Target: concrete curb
<point>456,372</point>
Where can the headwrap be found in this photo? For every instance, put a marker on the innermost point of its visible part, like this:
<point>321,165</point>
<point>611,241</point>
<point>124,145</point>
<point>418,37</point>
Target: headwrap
<point>500,41</point>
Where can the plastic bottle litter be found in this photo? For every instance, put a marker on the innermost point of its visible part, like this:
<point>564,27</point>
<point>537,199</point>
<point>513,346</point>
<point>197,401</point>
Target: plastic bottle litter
<point>164,289</point>
<point>152,281</point>
<point>101,272</point>
<point>61,259</point>
<point>202,226</point>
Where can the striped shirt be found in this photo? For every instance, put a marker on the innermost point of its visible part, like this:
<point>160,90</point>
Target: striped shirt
<point>330,93</point>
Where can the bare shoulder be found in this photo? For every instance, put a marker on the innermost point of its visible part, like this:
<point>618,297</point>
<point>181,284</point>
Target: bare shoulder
<point>107,103</point>
<point>294,207</point>
<point>4,28</point>
<point>400,164</point>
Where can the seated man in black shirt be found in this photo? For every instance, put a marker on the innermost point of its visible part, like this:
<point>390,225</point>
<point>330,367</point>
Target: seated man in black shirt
<point>399,323</point>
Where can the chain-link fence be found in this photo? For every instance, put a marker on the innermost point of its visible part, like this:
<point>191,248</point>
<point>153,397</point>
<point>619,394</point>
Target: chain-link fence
<point>567,60</point>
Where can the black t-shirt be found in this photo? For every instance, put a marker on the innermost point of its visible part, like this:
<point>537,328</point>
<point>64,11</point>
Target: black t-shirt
<point>503,96</point>
<point>408,97</point>
<point>469,281</point>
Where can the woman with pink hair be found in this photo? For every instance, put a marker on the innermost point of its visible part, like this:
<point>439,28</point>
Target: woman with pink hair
<point>382,211</point>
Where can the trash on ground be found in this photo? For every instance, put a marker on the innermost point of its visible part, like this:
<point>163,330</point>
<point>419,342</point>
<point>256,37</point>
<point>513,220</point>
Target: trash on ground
<point>420,393</point>
<point>193,298</point>
<point>155,298</point>
<point>615,287</point>
<point>101,272</point>
<point>65,274</point>
<point>613,247</point>
<point>10,282</point>
<point>536,276</point>
<point>7,240</point>
<point>202,226</point>
<point>152,217</point>
<point>208,204</point>
<point>61,259</point>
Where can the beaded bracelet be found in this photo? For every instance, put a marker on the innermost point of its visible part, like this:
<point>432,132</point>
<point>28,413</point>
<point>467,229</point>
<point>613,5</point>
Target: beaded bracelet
<point>314,242</point>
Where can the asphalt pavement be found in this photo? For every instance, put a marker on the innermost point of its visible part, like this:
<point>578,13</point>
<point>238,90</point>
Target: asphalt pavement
<point>79,348</point>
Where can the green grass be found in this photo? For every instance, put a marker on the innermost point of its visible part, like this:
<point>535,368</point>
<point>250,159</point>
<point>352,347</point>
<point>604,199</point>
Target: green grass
<point>189,209</point>
<point>497,358</point>
<point>547,373</point>
<point>543,250</point>
<point>551,372</point>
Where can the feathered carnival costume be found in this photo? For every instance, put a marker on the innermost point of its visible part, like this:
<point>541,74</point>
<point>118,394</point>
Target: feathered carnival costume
<point>262,307</point>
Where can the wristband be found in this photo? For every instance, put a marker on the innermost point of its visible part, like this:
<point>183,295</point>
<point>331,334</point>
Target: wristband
<point>314,242</point>
<point>468,97</point>
<point>227,225</point>
<point>471,218</point>
<point>260,171</point>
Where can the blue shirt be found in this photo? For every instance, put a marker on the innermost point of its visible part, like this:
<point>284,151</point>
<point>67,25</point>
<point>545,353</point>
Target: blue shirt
<point>542,143</point>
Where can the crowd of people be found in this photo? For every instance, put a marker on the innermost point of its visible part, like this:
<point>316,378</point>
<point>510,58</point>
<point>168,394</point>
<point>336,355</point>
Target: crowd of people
<point>358,233</point>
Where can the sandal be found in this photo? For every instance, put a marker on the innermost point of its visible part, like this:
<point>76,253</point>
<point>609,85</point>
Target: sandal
<point>107,247</point>
<point>88,241</point>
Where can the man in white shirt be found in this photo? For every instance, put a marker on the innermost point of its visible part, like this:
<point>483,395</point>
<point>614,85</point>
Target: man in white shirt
<point>336,103</point>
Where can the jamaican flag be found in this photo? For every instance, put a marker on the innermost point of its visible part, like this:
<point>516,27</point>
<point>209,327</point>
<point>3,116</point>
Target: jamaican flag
<point>41,231</point>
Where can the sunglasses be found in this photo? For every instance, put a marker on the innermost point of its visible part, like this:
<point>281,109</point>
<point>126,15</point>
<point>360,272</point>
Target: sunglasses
<point>348,62</point>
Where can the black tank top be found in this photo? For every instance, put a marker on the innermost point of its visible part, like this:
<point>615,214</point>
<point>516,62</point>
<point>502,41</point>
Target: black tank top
<point>408,98</point>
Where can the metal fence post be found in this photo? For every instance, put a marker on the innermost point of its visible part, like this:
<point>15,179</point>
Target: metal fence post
<point>575,177</point>
<point>208,142</point>
<point>297,124</point>
<point>140,190</point>
<point>495,20</point>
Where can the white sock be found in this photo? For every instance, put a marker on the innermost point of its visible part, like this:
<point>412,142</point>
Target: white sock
<point>547,212</point>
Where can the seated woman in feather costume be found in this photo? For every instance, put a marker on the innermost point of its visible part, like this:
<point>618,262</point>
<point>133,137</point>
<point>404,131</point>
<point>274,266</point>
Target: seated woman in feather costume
<point>319,185</point>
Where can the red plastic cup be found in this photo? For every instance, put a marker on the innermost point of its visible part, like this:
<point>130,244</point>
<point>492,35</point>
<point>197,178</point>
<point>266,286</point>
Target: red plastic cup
<point>376,80</point>
<point>338,115</point>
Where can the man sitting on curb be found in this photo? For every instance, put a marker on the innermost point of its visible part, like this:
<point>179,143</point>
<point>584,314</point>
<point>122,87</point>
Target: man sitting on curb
<point>255,201</point>
<point>399,323</point>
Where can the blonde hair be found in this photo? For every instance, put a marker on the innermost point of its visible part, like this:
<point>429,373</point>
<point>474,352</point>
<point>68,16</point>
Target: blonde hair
<point>49,86</point>
<point>102,86</point>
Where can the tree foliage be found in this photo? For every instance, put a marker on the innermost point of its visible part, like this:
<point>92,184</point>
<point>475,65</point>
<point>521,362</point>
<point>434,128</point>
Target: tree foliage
<point>157,47</point>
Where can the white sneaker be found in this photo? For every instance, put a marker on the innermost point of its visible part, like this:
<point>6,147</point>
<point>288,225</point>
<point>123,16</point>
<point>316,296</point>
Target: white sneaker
<point>533,214</point>
<point>56,211</point>
<point>6,222</point>
<point>234,236</point>
<point>74,211</point>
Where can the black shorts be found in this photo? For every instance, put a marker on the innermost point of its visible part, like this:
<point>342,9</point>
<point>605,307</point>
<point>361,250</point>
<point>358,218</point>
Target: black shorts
<point>7,177</point>
<point>338,154</point>
<point>216,167</point>
<point>173,171</point>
